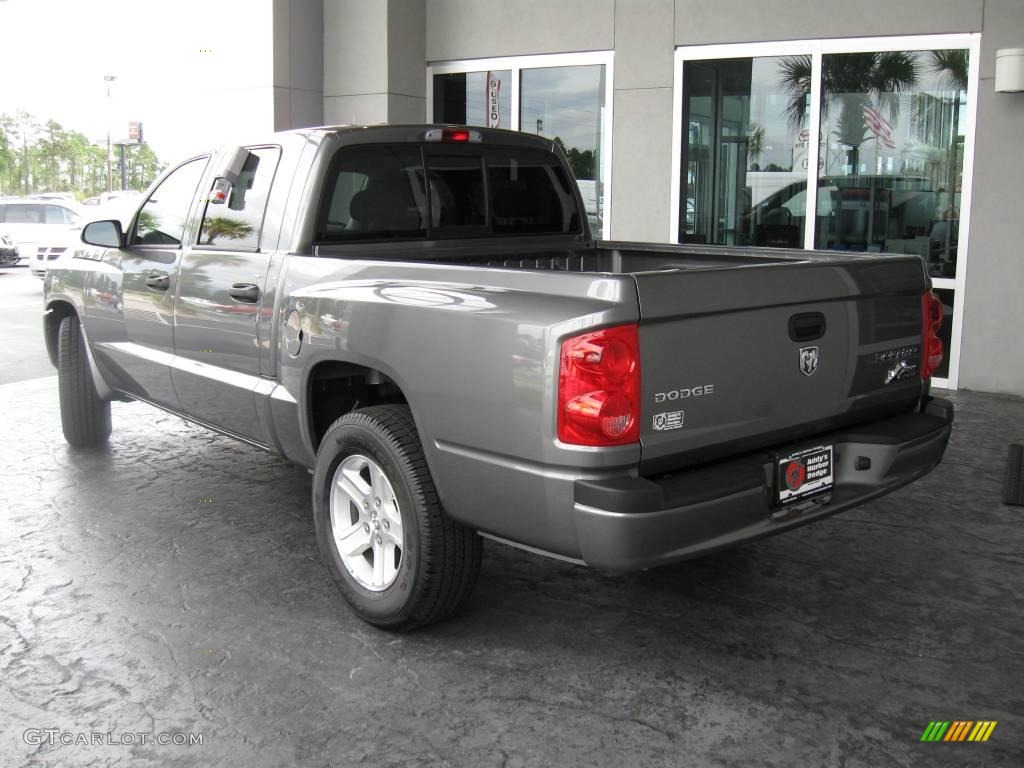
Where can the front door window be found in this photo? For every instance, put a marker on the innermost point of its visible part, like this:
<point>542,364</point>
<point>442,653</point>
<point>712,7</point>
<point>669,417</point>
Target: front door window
<point>161,220</point>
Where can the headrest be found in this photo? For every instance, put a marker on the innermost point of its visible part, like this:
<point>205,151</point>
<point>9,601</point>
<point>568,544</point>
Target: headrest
<point>361,206</point>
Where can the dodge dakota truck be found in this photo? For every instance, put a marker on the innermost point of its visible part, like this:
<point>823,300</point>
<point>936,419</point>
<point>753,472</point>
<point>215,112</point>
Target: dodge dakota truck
<point>420,316</point>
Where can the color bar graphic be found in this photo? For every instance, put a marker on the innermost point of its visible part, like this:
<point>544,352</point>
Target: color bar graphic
<point>958,730</point>
<point>935,730</point>
<point>982,730</point>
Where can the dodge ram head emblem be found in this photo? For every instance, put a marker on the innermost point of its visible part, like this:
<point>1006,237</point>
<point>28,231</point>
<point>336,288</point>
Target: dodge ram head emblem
<point>808,360</point>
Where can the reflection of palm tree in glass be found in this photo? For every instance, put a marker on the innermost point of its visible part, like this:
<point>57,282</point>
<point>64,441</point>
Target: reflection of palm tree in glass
<point>950,65</point>
<point>222,226</point>
<point>148,222</point>
<point>755,143</point>
<point>850,81</point>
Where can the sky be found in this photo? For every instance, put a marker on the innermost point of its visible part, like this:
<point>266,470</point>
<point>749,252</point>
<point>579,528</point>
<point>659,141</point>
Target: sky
<point>171,59</point>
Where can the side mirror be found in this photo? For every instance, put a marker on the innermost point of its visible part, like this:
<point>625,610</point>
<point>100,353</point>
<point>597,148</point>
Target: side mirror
<point>106,234</point>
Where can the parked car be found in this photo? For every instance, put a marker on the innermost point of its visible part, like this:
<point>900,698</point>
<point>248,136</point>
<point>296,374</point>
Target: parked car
<point>31,223</point>
<point>46,256</point>
<point>9,255</point>
<point>421,316</point>
<point>69,242</point>
<point>107,197</point>
<point>57,197</point>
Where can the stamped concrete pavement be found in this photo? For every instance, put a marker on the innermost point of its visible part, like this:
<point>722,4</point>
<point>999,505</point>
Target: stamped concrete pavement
<point>170,584</point>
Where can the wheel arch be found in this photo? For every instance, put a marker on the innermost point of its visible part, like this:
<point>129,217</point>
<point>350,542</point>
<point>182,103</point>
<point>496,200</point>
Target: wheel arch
<point>55,313</point>
<point>336,387</point>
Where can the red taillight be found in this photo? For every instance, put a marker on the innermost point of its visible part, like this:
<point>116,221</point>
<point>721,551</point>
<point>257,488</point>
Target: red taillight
<point>931,343</point>
<point>599,388</point>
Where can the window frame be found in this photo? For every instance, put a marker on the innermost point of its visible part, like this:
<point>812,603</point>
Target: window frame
<point>516,64</point>
<point>817,49</point>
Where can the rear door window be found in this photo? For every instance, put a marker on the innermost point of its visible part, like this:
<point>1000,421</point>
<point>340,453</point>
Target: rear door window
<point>237,222</point>
<point>56,214</point>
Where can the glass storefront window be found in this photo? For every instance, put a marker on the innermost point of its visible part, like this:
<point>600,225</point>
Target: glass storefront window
<point>891,153</point>
<point>474,98</point>
<point>567,105</point>
<point>744,155</point>
<point>882,131</point>
<point>561,96</point>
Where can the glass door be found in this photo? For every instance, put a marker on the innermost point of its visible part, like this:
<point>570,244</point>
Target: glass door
<point>879,131</point>
<point>742,147</point>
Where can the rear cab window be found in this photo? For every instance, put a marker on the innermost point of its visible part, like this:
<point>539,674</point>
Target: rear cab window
<point>409,191</point>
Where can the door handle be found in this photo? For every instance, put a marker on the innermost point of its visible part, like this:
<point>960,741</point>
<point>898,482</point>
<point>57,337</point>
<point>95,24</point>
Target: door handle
<point>158,282</point>
<point>246,292</point>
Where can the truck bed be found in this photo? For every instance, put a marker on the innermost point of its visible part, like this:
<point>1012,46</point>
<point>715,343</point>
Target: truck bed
<point>745,328</point>
<point>608,257</point>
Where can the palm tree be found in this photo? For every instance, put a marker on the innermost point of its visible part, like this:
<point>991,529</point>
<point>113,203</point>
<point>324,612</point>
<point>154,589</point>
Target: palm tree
<point>850,81</point>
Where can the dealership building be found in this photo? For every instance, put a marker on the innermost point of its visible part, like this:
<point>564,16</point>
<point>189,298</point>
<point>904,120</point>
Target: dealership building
<point>708,123</point>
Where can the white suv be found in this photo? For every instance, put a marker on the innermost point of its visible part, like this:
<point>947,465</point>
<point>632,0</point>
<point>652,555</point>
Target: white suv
<point>33,222</point>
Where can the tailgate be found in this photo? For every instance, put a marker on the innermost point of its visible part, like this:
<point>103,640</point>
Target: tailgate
<point>741,358</point>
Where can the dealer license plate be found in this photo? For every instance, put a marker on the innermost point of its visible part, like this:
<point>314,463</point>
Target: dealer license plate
<point>803,474</point>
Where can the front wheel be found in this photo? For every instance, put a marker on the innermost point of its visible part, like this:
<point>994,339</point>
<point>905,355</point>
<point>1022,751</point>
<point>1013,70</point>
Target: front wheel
<point>399,561</point>
<point>84,417</point>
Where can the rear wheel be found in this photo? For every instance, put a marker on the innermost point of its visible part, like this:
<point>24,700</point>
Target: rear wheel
<point>85,418</point>
<point>394,554</point>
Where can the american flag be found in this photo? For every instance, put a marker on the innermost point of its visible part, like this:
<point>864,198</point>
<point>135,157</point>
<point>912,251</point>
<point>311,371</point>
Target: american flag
<point>879,126</point>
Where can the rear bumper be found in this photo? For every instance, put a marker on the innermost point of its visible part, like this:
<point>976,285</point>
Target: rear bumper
<point>632,523</point>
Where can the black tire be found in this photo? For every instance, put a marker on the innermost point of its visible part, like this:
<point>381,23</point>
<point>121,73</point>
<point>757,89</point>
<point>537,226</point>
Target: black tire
<point>84,417</point>
<point>440,558</point>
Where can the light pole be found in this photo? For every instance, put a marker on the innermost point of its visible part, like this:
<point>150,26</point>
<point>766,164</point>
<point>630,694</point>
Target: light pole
<point>108,79</point>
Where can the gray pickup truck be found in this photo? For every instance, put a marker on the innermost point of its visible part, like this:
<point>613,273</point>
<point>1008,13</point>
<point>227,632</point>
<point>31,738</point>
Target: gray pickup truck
<point>420,316</point>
